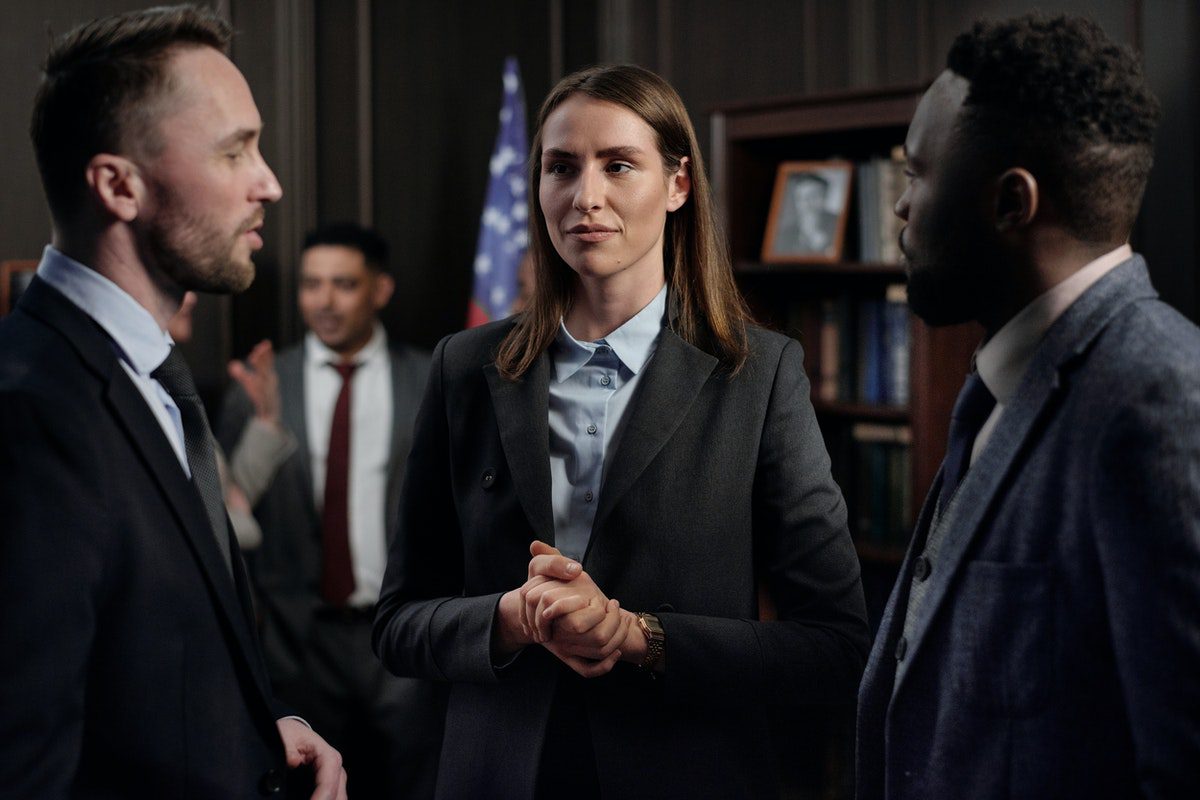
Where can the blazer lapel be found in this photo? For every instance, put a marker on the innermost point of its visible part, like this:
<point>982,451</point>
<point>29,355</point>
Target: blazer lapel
<point>405,404</point>
<point>1044,380</point>
<point>673,379</point>
<point>131,412</point>
<point>129,406</point>
<point>522,414</point>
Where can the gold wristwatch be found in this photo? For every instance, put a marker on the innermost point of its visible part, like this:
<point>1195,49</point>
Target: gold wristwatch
<point>655,639</point>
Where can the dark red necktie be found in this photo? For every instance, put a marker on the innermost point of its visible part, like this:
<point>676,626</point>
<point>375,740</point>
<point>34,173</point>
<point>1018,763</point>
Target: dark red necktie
<point>337,573</point>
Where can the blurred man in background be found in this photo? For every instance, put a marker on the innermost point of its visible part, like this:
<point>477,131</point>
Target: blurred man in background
<point>349,398</point>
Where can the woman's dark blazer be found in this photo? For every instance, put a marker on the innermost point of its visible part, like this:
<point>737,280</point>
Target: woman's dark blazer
<point>717,483</point>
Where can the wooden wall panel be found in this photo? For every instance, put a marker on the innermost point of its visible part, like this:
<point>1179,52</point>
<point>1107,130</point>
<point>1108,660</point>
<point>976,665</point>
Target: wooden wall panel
<point>433,88</point>
<point>580,37</point>
<point>437,74</point>
<point>725,52</point>
<point>834,34</point>
<point>337,118</point>
<point>1168,233</point>
<point>902,42</point>
<point>951,17</point>
<point>24,39</point>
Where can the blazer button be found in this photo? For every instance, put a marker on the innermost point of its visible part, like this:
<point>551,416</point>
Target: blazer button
<point>921,568</point>
<point>489,478</point>
<point>271,783</point>
<point>901,648</point>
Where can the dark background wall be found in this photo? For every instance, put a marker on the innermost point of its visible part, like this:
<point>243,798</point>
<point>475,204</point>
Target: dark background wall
<point>385,111</point>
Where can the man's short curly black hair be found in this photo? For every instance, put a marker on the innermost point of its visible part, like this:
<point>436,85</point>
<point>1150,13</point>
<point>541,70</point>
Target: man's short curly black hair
<point>1054,94</point>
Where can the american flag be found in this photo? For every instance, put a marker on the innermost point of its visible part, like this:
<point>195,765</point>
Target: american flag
<point>503,233</point>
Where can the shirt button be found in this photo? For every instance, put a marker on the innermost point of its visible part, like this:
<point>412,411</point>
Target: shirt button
<point>587,498</point>
<point>591,429</point>
<point>921,568</point>
<point>605,380</point>
<point>901,648</point>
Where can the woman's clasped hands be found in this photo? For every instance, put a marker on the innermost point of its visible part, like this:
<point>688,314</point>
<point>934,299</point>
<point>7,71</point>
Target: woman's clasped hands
<point>562,609</point>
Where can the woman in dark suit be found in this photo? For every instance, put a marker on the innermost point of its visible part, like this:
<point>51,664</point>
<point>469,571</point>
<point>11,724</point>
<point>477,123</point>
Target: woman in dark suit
<point>661,454</point>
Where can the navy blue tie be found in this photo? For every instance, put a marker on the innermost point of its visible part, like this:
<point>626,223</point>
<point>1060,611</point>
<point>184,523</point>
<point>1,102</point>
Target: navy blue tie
<point>971,410</point>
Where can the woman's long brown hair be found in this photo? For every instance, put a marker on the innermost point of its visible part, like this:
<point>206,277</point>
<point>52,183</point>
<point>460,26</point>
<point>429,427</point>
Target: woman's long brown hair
<point>710,312</point>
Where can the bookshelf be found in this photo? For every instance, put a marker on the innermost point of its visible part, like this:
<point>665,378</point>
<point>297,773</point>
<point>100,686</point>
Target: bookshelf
<point>895,434</point>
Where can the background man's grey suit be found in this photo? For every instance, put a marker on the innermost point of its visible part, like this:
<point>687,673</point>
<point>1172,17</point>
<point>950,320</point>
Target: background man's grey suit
<point>287,567</point>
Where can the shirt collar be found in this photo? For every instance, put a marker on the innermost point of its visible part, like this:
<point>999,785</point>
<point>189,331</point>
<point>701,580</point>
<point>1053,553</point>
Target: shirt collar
<point>633,343</point>
<point>139,340</point>
<point>1003,359</point>
<point>318,354</point>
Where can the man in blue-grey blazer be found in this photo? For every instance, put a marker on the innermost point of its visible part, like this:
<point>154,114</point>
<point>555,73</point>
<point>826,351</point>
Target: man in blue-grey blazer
<point>1043,637</point>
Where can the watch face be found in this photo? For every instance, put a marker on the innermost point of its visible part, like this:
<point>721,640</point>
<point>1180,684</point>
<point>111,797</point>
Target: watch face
<point>653,626</point>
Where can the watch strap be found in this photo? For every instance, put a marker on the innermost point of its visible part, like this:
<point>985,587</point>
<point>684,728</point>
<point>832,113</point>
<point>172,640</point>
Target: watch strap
<point>655,639</point>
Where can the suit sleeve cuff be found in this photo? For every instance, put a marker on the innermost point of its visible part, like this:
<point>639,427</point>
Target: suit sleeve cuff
<point>301,720</point>
<point>461,633</point>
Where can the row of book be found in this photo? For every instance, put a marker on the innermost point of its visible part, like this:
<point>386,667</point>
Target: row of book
<point>857,347</point>
<point>874,469</point>
<point>880,183</point>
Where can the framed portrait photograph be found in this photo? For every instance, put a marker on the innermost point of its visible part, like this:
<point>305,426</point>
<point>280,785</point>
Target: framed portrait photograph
<point>15,277</point>
<point>809,206</point>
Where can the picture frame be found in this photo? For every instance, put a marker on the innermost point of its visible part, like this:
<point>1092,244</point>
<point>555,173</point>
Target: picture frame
<point>15,277</point>
<point>809,207</point>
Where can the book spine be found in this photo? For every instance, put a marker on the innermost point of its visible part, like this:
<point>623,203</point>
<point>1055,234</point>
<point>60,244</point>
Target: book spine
<point>882,486</point>
<point>890,224</point>
<point>830,356</point>
<point>863,205</point>
<point>896,346</point>
<point>871,354</point>
<point>847,347</point>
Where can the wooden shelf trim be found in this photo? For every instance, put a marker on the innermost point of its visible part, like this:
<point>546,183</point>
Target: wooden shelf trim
<point>864,411</point>
<point>849,113</point>
<point>822,99</point>
<point>754,268</point>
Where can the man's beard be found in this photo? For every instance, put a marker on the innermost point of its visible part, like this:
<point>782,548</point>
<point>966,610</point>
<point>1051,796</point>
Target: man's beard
<point>193,253</point>
<point>945,287</point>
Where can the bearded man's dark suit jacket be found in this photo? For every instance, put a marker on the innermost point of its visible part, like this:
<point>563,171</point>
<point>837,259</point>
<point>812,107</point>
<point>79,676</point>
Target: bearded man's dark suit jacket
<point>715,482</point>
<point>128,660</point>
<point>1057,651</point>
<point>287,567</point>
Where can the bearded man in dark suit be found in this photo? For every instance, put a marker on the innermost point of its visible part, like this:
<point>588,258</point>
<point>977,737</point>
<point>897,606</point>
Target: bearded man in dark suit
<point>128,661</point>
